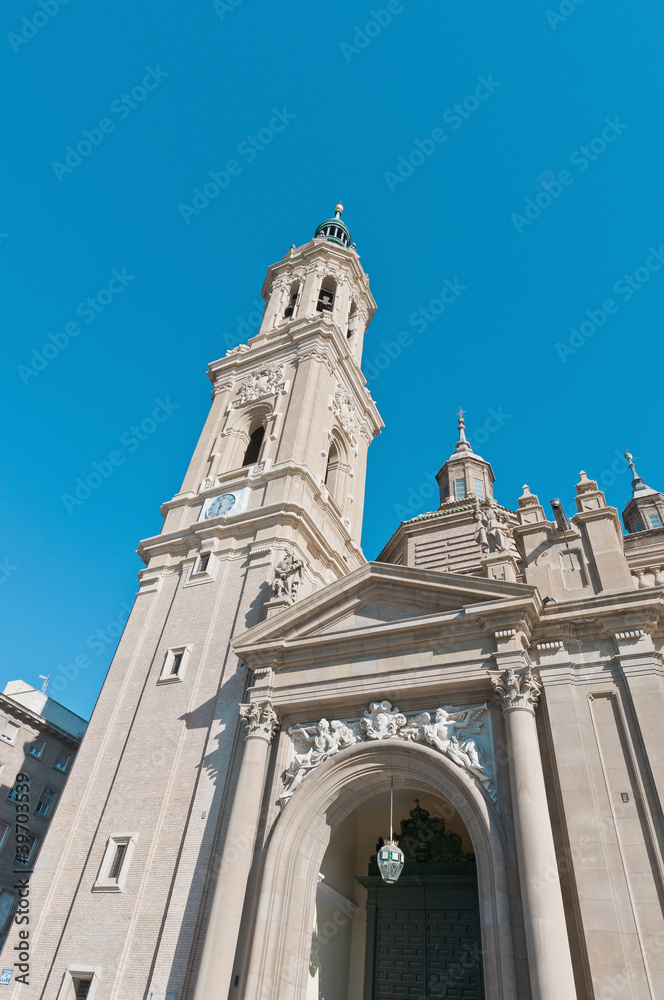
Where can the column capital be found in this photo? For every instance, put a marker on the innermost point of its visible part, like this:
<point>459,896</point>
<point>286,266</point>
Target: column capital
<point>260,720</point>
<point>517,689</point>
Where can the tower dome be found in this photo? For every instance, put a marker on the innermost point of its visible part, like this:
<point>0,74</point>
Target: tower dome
<point>334,229</point>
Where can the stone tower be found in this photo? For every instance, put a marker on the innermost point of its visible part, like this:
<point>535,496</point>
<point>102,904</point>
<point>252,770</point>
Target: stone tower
<point>270,508</point>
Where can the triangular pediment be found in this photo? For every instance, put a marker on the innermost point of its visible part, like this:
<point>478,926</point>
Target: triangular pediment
<point>379,596</point>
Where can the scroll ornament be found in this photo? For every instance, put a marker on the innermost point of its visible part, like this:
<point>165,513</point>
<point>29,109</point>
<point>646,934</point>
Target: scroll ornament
<point>264,381</point>
<point>448,732</point>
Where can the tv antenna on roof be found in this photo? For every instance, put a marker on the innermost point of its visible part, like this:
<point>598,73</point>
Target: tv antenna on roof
<point>45,679</point>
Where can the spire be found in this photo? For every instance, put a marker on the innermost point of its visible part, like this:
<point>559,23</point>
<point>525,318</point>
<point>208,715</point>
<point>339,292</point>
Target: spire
<point>335,230</point>
<point>638,484</point>
<point>462,444</point>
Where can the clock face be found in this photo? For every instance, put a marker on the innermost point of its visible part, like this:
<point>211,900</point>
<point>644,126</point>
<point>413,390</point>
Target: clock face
<point>221,505</point>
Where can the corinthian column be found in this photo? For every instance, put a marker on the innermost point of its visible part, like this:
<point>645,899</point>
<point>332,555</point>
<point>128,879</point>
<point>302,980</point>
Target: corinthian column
<point>549,959</point>
<point>216,968</point>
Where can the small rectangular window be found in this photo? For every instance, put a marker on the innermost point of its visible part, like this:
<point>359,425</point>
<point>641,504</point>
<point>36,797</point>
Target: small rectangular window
<point>3,833</point>
<point>26,849</point>
<point>115,863</point>
<point>655,520</point>
<point>459,489</point>
<point>36,748</point>
<point>478,488</point>
<point>62,761</point>
<point>81,988</point>
<point>9,732</point>
<point>6,906</point>
<point>175,664</point>
<point>203,562</point>
<point>46,800</point>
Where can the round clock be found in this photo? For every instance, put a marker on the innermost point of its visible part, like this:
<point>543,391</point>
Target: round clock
<point>220,505</point>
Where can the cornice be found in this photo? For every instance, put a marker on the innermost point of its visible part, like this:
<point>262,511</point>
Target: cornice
<point>19,711</point>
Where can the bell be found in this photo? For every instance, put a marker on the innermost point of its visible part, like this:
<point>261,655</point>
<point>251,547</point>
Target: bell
<point>390,862</point>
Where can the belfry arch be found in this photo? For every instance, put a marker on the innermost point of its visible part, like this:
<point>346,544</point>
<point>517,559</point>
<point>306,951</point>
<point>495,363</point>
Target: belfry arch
<point>279,953</point>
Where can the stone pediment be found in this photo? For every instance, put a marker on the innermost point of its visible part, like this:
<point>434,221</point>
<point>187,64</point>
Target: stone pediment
<point>377,597</point>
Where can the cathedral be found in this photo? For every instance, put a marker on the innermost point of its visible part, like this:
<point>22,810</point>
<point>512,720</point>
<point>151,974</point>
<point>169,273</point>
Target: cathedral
<point>312,777</point>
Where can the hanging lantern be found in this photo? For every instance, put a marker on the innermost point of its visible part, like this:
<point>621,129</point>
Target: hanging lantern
<point>390,857</point>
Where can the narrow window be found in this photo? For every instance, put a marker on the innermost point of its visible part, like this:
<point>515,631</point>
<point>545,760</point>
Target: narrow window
<point>9,732</point>
<point>325,300</point>
<point>36,748</point>
<point>253,451</point>
<point>3,833</point>
<point>177,663</point>
<point>46,800</point>
<point>81,988</point>
<point>62,761</point>
<point>6,905</point>
<point>292,301</point>
<point>655,520</point>
<point>459,489</point>
<point>333,472</point>
<point>116,864</point>
<point>478,488</point>
<point>203,562</point>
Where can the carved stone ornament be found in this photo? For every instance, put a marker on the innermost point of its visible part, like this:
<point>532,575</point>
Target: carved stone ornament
<point>288,577</point>
<point>260,721</point>
<point>448,732</point>
<point>264,381</point>
<point>345,411</point>
<point>424,838</point>
<point>517,689</point>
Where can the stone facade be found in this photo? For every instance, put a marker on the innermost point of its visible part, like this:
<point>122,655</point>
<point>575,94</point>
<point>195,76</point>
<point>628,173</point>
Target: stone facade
<point>39,739</point>
<point>271,686</point>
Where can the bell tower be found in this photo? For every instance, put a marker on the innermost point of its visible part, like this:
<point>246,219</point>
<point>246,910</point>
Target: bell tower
<point>270,511</point>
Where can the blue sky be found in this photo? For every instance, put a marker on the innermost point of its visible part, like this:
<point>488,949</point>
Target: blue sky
<point>497,195</point>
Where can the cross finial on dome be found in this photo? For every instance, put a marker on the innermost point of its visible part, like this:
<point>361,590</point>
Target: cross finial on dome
<point>462,442</point>
<point>338,209</point>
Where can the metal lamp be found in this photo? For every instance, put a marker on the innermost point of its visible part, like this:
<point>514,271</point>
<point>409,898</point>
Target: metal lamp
<point>390,857</point>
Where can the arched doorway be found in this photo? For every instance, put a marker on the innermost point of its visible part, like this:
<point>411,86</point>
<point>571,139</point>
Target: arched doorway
<point>280,957</point>
<point>419,937</point>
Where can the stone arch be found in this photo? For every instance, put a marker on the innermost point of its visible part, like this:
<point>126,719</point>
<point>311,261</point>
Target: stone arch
<point>282,933</point>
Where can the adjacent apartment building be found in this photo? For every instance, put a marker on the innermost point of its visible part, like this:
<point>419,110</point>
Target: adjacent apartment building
<point>39,739</point>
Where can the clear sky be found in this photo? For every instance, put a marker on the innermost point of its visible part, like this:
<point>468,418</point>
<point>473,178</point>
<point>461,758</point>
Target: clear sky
<point>513,151</point>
